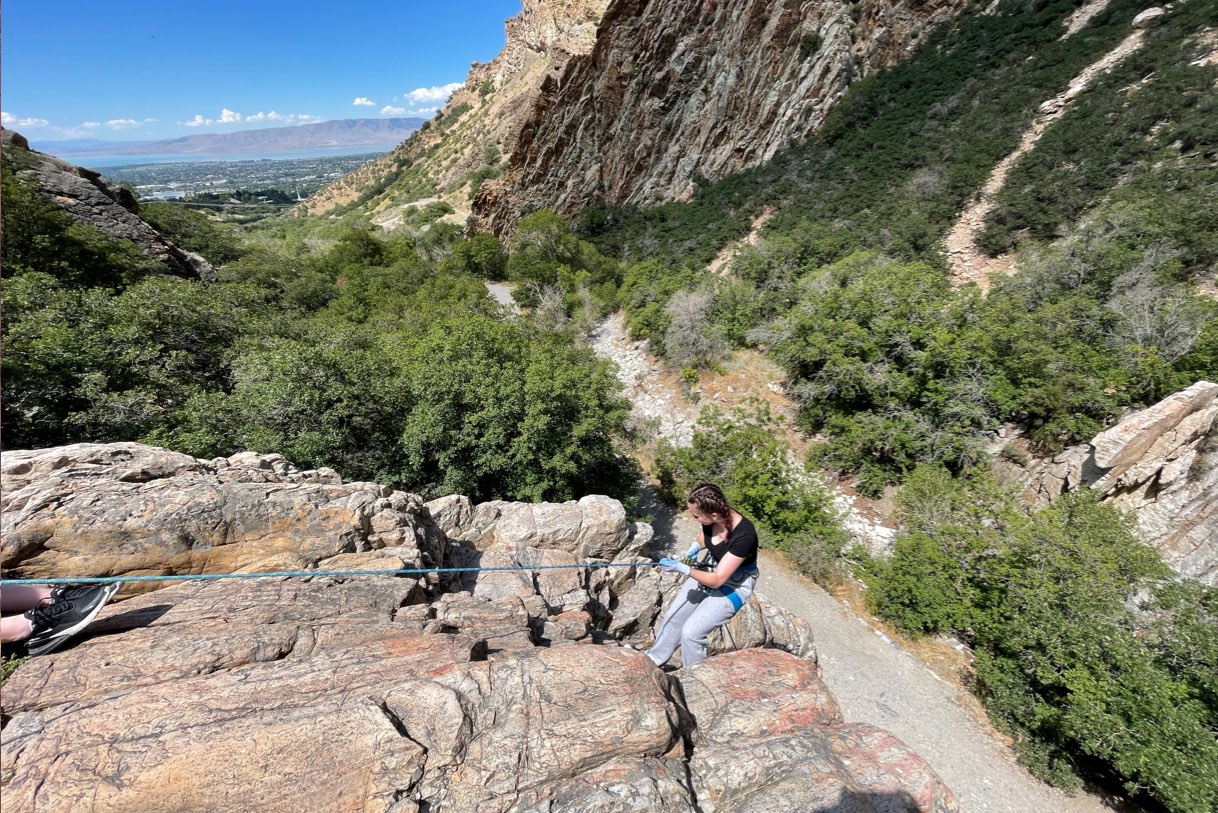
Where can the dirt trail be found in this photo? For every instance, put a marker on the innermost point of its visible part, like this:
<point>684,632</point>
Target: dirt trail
<point>875,678</point>
<point>968,262</point>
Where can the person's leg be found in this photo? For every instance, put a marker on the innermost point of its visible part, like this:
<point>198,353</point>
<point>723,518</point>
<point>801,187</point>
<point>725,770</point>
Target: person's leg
<point>17,598</point>
<point>14,628</point>
<point>715,610</point>
<point>668,634</point>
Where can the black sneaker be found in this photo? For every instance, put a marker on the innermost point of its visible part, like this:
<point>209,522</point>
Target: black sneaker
<point>74,591</point>
<point>69,611</point>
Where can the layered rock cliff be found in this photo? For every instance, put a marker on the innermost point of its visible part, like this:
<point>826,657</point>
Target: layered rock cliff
<point>501,690</point>
<point>1160,463</point>
<point>633,101</point>
<point>469,139</point>
<point>90,200</point>
<point>676,91</point>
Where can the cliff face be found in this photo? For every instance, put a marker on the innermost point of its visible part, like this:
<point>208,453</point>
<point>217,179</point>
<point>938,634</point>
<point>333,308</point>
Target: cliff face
<point>469,140</point>
<point>679,89</point>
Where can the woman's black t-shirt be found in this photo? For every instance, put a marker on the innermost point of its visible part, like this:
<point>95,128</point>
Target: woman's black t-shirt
<point>742,541</point>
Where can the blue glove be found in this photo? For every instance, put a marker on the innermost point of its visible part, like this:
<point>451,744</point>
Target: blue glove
<point>673,566</point>
<point>694,548</point>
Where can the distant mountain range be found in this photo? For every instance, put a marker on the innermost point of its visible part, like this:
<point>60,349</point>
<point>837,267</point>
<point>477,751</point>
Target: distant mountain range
<point>384,133</point>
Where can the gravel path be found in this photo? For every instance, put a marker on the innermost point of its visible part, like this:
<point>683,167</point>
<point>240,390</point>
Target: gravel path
<point>873,678</point>
<point>501,292</point>
<point>876,681</point>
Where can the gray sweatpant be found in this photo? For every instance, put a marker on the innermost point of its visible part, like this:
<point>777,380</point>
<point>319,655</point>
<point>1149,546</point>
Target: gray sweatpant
<point>693,614</point>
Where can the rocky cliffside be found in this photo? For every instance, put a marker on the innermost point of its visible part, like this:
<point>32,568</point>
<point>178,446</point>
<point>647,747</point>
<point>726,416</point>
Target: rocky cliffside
<point>496,691</point>
<point>1160,463</point>
<point>89,200</point>
<point>672,91</point>
<point>470,138</point>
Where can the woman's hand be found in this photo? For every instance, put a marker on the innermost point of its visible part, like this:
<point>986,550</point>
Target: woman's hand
<point>673,566</point>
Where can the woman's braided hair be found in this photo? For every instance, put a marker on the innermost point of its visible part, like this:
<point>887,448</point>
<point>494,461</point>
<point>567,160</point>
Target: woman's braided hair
<point>709,499</point>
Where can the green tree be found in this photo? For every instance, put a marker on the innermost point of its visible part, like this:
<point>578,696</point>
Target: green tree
<point>328,398</point>
<point>1086,652</point>
<point>501,411</point>
<point>481,255</point>
<point>884,359</point>
<point>192,230</point>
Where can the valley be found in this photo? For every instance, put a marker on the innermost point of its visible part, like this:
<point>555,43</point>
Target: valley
<point>296,177</point>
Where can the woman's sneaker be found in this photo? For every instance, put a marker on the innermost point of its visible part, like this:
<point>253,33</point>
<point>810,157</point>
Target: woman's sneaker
<point>69,611</point>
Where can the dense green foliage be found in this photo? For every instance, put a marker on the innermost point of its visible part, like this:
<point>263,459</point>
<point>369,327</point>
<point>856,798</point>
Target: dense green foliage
<point>742,453</point>
<point>898,370</point>
<point>192,230</point>
<point>556,271</point>
<point>886,363</point>
<point>379,356</point>
<point>1085,650</point>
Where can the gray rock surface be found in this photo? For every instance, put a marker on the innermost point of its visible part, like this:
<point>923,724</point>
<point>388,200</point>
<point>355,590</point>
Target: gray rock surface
<point>213,696</point>
<point>1149,17</point>
<point>673,90</point>
<point>128,509</point>
<point>1160,463</point>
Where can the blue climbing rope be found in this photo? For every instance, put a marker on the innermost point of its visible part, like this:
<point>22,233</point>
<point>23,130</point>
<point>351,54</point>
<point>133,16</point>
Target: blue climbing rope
<point>311,573</point>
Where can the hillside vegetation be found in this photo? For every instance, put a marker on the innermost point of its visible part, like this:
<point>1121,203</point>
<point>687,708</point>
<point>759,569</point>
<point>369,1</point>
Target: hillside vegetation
<point>380,357</point>
<point>1113,210</point>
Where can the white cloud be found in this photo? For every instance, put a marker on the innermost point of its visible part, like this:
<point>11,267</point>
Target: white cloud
<point>232,117</point>
<point>390,110</point>
<point>122,124</point>
<point>363,101</point>
<point>9,120</point>
<point>433,94</point>
<point>90,125</point>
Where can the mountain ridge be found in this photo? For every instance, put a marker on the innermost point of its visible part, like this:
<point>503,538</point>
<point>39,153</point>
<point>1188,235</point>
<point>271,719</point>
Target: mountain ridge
<point>337,133</point>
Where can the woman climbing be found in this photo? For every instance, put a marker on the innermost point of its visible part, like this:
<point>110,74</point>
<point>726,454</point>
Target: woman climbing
<point>708,598</point>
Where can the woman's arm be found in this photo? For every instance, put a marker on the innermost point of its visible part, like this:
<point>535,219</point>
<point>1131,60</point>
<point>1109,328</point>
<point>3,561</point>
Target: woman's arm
<point>723,571</point>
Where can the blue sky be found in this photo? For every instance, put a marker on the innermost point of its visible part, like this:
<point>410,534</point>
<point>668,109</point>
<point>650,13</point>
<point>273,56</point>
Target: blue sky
<point>138,69</point>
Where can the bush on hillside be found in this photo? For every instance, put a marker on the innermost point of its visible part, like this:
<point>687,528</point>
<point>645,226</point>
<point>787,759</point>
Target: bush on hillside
<point>500,411</point>
<point>193,230</point>
<point>881,357</point>
<point>1087,674</point>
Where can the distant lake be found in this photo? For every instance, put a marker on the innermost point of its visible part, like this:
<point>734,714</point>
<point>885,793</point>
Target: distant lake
<point>106,161</point>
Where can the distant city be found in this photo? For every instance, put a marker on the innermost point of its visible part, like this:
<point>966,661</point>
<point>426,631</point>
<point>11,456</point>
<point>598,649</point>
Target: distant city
<point>207,183</point>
